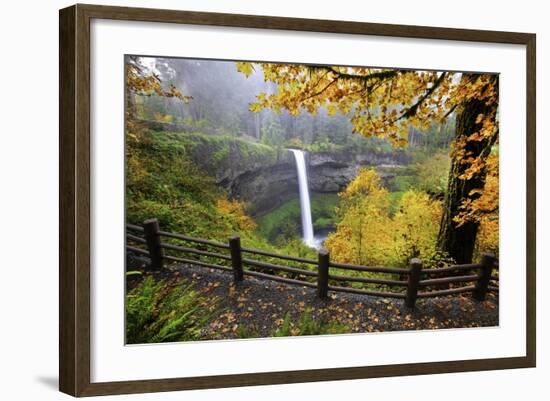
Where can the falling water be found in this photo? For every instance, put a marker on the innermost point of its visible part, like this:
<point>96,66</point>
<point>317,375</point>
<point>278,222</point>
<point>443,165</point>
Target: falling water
<point>305,205</point>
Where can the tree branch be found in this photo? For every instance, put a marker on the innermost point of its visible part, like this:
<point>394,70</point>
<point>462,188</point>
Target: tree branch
<point>320,91</point>
<point>411,111</point>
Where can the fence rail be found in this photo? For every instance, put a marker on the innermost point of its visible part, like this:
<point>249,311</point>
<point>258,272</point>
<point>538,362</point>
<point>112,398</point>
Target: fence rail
<point>408,284</point>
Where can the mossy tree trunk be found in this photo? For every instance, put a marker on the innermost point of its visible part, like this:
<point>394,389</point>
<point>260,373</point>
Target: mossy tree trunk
<point>458,240</point>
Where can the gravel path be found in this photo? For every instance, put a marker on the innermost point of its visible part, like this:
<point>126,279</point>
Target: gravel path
<point>261,305</point>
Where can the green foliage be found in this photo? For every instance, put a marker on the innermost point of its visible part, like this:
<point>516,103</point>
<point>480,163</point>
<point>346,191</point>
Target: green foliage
<point>162,312</point>
<point>428,173</point>
<point>307,325</point>
<point>284,221</point>
<point>272,133</point>
<point>432,173</point>
<point>163,180</point>
<point>214,153</point>
<point>323,210</point>
<point>247,331</point>
<point>395,199</point>
<point>402,183</point>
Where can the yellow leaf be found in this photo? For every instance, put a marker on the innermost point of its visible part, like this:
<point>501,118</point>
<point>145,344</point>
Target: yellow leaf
<point>246,68</point>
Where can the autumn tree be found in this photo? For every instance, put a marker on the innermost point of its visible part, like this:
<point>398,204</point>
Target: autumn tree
<point>385,103</point>
<point>476,133</point>
<point>363,234</point>
<point>141,81</point>
<point>369,233</point>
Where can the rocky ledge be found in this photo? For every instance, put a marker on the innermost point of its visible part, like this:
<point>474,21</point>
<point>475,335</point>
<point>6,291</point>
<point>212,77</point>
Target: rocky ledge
<point>266,178</point>
<point>269,184</point>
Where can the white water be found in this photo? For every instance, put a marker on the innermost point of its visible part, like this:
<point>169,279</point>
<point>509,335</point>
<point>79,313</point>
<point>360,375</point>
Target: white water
<point>305,205</point>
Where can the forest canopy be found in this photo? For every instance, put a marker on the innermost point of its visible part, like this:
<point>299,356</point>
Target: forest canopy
<point>446,122</point>
<point>385,103</point>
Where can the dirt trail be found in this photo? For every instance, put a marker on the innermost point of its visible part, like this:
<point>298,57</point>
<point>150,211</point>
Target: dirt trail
<point>261,306</point>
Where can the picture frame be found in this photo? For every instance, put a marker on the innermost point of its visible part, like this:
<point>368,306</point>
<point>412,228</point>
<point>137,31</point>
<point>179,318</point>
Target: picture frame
<point>76,200</point>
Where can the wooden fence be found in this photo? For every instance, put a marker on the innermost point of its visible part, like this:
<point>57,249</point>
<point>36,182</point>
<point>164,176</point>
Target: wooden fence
<point>408,284</point>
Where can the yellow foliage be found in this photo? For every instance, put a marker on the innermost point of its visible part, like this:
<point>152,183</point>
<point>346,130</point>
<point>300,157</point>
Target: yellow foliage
<point>135,171</point>
<point>482,203</point>
<point>163,118</point>
<point>416,226</point>
<point>487,239</point>
<point>363,235</point>
<point>246,68</point>
<point>385,102</point>
<point>234,211</point>
<point>369,234</point>
<point>366,183</point>
<point>482,206</point>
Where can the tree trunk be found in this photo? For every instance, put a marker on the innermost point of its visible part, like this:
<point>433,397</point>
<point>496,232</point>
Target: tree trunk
<point>459,241</point>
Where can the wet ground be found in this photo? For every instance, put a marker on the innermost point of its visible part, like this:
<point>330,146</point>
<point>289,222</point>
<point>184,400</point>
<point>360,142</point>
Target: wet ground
<point>261,305</point>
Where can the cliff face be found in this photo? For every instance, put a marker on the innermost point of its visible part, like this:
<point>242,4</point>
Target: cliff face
<point>247,170</point>
<point>264,178</point>
<point>263,186</point>
<point>267,184</point>
<point>332,172</point>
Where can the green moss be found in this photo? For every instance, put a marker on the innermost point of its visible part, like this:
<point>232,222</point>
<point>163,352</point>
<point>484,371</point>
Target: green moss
<point>215,152</point>
<point>323,211</point>
<point>285,220</point>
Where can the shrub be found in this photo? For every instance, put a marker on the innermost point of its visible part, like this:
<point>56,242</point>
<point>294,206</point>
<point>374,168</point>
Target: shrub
<point>307,325</point>
<point>162,312</point>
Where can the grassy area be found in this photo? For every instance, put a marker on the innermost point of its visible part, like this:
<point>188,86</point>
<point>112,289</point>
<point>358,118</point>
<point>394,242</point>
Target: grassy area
<point>283,220</point>
<point>286,219</point>
<point>323,210</point>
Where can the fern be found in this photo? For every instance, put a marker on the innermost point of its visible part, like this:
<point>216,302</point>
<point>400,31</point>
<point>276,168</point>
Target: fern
<point>307,325</point>
<point>161,312</point>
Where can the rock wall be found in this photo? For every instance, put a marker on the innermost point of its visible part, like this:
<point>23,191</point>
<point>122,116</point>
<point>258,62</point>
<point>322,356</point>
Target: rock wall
<point>265,178</point>
<point>332,172</point>
<point>267,185</point>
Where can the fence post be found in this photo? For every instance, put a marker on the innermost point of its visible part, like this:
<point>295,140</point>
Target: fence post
<point>151,231</point>
<point>322,274</point>
<point>236,258</point>
<point>412,282</point>
<point>482,283</point>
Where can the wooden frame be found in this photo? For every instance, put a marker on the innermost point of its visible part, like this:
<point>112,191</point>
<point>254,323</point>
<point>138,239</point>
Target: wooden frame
<point>74,296</point>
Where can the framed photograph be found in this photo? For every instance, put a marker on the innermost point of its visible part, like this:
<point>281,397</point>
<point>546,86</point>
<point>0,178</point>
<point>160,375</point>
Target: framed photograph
<point>249,200</point>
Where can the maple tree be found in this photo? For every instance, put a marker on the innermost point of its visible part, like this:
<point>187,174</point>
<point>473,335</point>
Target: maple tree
<point>384,103</point>
<point>368,233</point>
<point>363,234</point>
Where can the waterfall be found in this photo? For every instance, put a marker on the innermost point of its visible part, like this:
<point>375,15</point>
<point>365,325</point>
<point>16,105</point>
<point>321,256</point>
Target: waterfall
<point>305,205</point>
